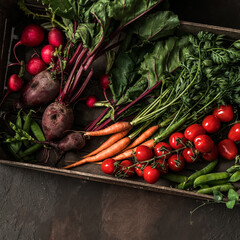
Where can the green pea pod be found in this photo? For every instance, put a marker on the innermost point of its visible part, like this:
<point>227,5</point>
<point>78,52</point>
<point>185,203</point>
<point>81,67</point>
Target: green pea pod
<point>204,179</point>
<point>235,177</point>
<point>13,150</point>
<point>189,183</point>
<point>175,177</point>
<point>218,182</point>
<point>31,150</point>
<point>27,125</point>
<point>222,188</point>
<point>233,169</point>
<point>37,131</point>
<point>204,186</point>
<point>18,144</point>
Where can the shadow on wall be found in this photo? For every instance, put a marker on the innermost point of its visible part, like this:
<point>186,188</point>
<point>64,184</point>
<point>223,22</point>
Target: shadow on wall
<point>215,12</point>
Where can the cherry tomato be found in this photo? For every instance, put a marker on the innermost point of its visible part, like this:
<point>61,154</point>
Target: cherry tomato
<point>212,155</point>
<point>162,165</point>
<point>224,113</point>
<point>162,148</point>
<point>108,167</point>
<point>193,131</point>
<point>151,175</point>
<point>234,133</point>
<point>203,143</point>
<point>176,163</point>
<point>190,155</point>
<point>124,166</point>
<point>175,140</point>
<point>143,153</point>
<point>139,169</point>
<point>227,149</point>
<point>211,123</point>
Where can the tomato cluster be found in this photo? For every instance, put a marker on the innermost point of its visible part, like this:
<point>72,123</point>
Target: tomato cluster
<point>182,148</point>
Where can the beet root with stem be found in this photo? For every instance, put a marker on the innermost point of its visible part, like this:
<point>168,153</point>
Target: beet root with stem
<point>57,119</point>
<point>42,89</point>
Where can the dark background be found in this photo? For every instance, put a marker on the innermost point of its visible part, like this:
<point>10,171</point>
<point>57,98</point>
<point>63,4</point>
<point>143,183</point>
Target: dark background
<point>35,205</point>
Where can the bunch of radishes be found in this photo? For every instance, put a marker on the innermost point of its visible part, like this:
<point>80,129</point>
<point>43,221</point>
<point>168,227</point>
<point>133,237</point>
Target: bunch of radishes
<point>187,147</point>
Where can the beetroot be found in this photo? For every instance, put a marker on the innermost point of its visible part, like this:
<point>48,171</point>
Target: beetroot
<point>40,90</point>
<point>55,37</point>
<point>47,54</point>
<point>57,119</point>
<point>73,141</point>
<point>35,65</point>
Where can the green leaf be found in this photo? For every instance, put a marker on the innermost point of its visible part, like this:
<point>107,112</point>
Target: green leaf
<point>155,26</point>
<point>217,195</point>
<point>233,195</point>
<point>230,204</point>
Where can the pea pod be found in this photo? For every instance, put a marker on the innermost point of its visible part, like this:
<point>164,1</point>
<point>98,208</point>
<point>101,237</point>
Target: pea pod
<point>31,150</point>
<point>37,131</point>
<point>189,183</point>
<point>218,182</point>
<point>17,145</point>
<point>235,177</point>
<point>175,177</point>
<point>233,169</point>
<point>204,179</point>
<point>27,125</point>
<point>222,188</point>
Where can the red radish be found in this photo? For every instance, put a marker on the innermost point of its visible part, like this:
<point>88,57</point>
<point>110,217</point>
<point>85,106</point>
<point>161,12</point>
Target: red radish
<point>40,90</point>
<point>14,84</point>
<point>55,37</point>
<point>57,118</point>
<point>234,133</point>
<point>224,113</point>
<point>91,100</point>
<point>211,123</point>
<point>47,54</point>
<point>32,36</point>
<point>35,65</point>
<point>104,81</point>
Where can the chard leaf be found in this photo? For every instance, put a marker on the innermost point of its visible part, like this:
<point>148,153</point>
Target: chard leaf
<point>155,26</point>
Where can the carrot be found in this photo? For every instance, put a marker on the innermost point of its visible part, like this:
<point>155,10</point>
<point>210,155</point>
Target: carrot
<point>148,133</point>
<point>114,138</point>
<point>128,153</point>
<point>106,153</point>
<point>115,128</point>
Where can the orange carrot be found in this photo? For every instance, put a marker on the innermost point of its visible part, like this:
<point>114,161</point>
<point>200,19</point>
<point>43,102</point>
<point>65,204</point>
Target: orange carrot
<point>148,133</point>
<point>106,153</point>
<point>115,128</point>
<point>114,138</point>
<point>128,153</point>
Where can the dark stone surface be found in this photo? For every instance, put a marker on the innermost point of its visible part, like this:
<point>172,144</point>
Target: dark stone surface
<point>37,205</point>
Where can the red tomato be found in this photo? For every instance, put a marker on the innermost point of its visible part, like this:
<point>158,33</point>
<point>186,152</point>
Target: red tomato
<point>151,175</point>
<point>211,123</point>
<point>108,167</point>
<point>203,143</point>
<point>162,148</point>
<point>125,167</point>
<point>139,169</point>
<point>227,149</point>
<point>174,140</point>
<point>162,165</point>
<point>176,163</point>
<point>210,156</point>
<point>224,113</point>
<point>234,133</point>
<point>143,153</point>
<point>193,131</point>
<point>190,155</point>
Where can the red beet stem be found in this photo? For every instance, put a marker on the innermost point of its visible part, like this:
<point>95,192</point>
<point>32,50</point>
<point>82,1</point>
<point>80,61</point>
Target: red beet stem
<point>67,86</point>
<point>129,105</point>
<point>6,94</point>
<point>75,55</point>
<point>76,96</point>
<point>14,50</point>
